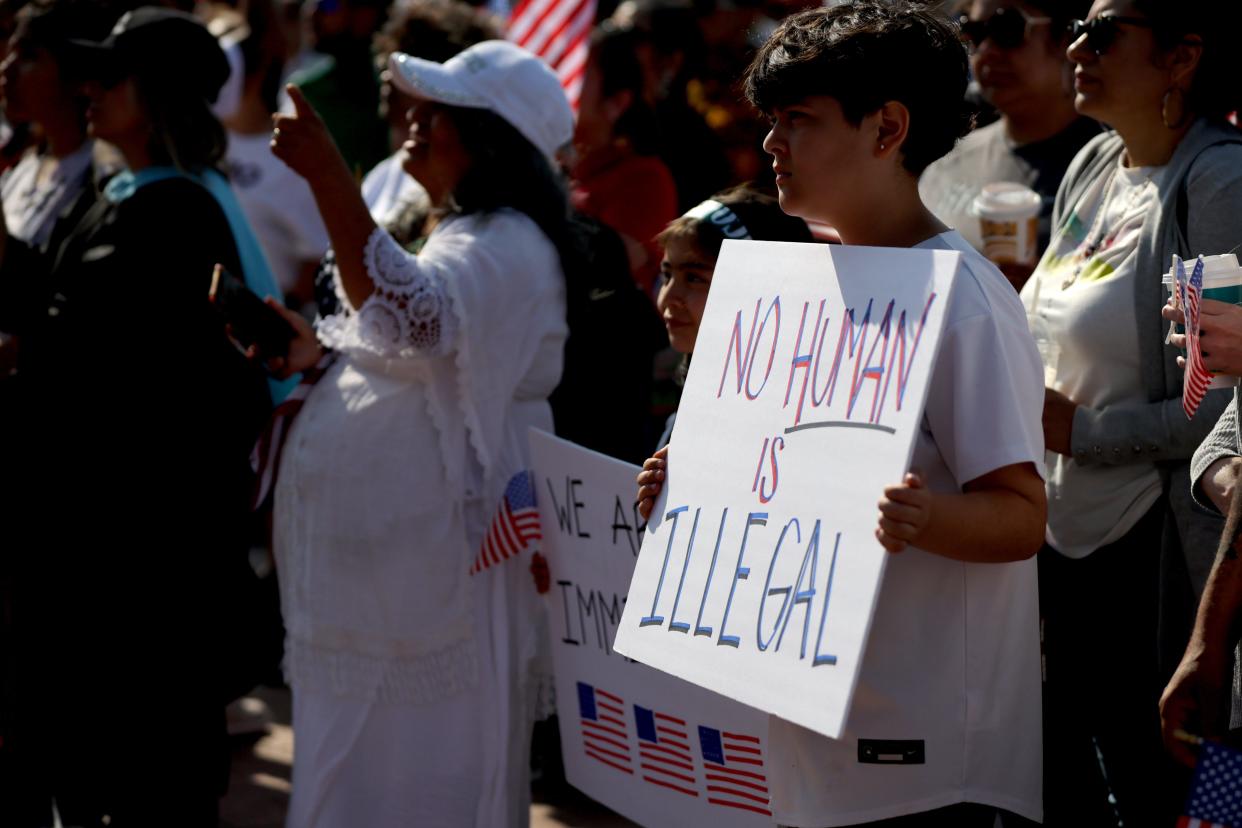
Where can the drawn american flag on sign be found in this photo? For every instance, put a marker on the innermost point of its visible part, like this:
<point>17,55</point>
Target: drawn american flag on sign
<point>604,735</point>
<point>1197,376</point>
<point>514,527</point>
<point>733,767</point>
<point>559,32</point>
<point>664,751</point>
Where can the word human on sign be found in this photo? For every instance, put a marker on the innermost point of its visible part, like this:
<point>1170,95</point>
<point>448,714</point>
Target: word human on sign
<point>869,359</point>
<point>759,570</point>
<point>660,751</point>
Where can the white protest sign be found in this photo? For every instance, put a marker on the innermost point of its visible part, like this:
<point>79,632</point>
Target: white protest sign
<point>759,572</point>
<point>651,747</point>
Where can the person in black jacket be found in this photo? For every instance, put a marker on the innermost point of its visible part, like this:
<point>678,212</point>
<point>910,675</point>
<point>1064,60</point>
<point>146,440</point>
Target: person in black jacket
<point>129,484</point>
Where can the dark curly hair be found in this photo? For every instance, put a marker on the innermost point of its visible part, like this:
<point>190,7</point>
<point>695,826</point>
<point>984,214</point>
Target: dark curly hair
<point>1215,91</point>
<point>865,54</point>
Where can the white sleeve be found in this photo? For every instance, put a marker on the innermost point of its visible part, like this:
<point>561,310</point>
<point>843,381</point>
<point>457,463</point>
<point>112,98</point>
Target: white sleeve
<point>985,403</point>
<point>409,308</point>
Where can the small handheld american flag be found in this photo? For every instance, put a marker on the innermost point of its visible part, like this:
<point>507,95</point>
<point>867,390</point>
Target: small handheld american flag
<point>1197,377</point>
<point>515,525</point>
<point>733,764</point>
<point>1215,799</point>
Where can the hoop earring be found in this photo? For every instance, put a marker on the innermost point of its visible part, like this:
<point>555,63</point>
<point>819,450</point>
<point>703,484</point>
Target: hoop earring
<point>1183,114</point>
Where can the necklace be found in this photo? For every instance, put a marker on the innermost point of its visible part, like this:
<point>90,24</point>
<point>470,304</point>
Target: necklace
<point>1099,231</point>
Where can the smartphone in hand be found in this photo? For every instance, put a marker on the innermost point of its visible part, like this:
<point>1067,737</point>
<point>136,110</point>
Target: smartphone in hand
<point>251,321</point>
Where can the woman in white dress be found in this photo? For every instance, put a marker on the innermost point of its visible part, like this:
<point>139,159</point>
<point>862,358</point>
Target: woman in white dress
<point>410,665</point>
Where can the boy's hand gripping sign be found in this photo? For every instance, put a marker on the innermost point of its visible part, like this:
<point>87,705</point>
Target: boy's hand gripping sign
<point>760,568</point>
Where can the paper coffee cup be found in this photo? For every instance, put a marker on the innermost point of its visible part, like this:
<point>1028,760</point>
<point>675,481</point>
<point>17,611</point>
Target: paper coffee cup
<point>1009,222</point>
<point>1222,281</point>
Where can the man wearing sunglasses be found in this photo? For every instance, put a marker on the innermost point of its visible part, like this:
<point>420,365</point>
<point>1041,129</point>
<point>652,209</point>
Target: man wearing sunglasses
<point>1017,54</point>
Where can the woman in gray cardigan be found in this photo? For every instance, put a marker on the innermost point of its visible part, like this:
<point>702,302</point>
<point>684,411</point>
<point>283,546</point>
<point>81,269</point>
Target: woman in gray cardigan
<point>1124,541</point>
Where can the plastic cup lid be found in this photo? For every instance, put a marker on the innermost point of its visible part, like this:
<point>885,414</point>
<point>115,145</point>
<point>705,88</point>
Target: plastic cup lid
<point>1218,271</point>
<point>1005,199</point>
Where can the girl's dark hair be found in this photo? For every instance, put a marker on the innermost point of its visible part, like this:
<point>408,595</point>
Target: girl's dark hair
<point>760,213</point>
<point>185,133</point>
<point>1215,91</point>
<point>614,53</point>
<point>865,54</point>
<point>508,171</point>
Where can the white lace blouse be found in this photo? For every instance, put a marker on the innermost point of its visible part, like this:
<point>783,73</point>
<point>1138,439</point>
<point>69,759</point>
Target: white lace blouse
<point>407,315</point>
<point>399,456</point>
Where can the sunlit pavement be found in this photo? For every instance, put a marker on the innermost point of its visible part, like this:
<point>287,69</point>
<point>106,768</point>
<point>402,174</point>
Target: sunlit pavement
<point>259,786</point>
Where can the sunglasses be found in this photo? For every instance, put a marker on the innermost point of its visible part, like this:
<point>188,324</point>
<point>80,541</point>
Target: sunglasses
<point>1102,32</point>
<point>1008,28</point>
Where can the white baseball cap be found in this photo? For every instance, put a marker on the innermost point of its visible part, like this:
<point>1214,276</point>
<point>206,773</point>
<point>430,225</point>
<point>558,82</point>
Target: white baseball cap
<point>498,76</point>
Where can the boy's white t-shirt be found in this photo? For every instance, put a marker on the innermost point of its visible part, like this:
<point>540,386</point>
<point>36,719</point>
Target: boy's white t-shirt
<point>952,666</point>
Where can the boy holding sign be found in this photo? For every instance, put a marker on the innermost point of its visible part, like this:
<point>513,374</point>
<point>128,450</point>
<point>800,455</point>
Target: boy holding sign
<point>945,724</point>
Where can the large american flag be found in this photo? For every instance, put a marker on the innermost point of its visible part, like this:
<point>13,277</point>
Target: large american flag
<point>514,527</point>
<point>1197,377</point>
<point>664,751</point>
<point>1216,793</point>
<point>558,31</point>
<point>605,737</point>
<point>733,765</point>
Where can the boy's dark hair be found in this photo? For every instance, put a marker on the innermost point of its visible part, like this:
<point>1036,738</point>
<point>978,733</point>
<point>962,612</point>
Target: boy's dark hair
<point>760,213</point>
<point>1215,91</point>
<point>865,54</point>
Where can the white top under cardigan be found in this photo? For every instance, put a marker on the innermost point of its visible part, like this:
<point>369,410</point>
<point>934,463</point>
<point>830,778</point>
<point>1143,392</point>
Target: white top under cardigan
<point>395,465</point>
<point>1081,298</point>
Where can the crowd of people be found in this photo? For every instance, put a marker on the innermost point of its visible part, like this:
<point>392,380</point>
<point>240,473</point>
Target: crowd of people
<point>451,253</point>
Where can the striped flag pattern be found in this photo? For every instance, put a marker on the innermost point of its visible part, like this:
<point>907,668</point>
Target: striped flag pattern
<point>558,31</point>
<point>515,525</point>
<point>664,751</point>
<point>265,456</point>
<point>1197,377</point>
<point>1215,799</point>
<point>733,765</point>
<point>605,737</point>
